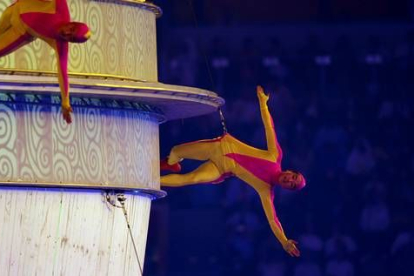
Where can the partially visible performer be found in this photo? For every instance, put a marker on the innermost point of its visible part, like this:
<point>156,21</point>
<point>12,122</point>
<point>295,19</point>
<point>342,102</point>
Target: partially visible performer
<point>226,156</point>
<point>49,20</point>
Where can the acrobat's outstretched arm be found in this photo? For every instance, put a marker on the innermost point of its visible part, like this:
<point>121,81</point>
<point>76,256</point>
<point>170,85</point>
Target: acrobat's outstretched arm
<point>266,196</point>
<point>271,137</point>
<point>61,49</point>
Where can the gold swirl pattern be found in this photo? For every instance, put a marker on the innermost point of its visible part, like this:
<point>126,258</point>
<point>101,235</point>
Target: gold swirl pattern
<point>8,139</point>
<point>93,50</point>
<point>123,42</point>
<point>90,124</point>
<point>76,8</point>
<point>114,147</point>
<point>26,58</point>
<point>113,20</point>
<point>77,59</point>
<point>115,137</point>
<point>35,152</point>
<point>152,137</point>
<point>112,56</point>
<point>75,52</point>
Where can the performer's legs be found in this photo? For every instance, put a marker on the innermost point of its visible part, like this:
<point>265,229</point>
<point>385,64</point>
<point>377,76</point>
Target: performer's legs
<point>206,173</point>
<point>5,20</point>
<point>12,40</point>
<point>199,150</point>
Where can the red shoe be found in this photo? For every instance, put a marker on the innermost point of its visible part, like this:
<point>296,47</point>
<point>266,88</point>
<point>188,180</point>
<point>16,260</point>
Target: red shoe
<point>164,166</point>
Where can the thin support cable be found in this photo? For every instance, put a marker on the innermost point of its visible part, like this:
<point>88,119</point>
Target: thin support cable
<point>121,199</point>
<point>206,61</point>
<point>222,120</point>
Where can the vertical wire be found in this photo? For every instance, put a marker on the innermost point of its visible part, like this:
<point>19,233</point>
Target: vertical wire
<point>206,61</point>
<point>130,233</point>
<point>121,199</point>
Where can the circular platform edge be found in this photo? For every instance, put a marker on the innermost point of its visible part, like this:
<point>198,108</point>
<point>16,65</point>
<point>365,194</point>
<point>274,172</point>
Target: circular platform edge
<point>146,192</point>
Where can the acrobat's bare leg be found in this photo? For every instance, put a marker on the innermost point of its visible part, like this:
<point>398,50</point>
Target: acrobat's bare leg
<point>11,40</point>
<point>206,173</point>
<point>199,150</point>
<point>5,20</point>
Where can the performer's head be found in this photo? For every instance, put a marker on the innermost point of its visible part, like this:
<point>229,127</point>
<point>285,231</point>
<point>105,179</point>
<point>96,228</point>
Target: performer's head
<point>74,32</point>
<point>291,180</point>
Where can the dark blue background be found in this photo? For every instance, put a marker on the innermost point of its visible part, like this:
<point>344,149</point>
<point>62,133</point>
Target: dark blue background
<point>340,75</point>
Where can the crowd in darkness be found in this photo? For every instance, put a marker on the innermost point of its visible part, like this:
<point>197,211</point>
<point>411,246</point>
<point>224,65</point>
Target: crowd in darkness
<point>232,12</point>
<point>344,118</point>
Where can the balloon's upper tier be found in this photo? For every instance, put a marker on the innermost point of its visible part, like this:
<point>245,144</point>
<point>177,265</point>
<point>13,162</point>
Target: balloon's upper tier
<point>123,41</point>
<point>141,3</point>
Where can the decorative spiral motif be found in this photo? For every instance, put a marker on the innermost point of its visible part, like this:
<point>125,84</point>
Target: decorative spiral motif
<point>112,36</point>
<point>7,61</point>
<point>92,118</point>
<point>140,38</point>
<point>36,148</point>
<point>79,176</point>
<point>62,171</point>
<point>40,117</point>
<point>95,19</point>
<point>40,50</point>
<point>7,166</point>
<point>76,9</point>
<point>120,171</point>
<point>111,16</point>
<point>76,57</point>
<point>28,59</point>
<point>8,154</point>
<point>95,58</point>
<point>7,126</point>
<point>94,161</point>
<point>64,132</point>
<point>112,55</point>
<point>129,155</point>
<point>110,145</point>
<point>128,16</point>
<point>93,46</point>
<point>129,59</point>
<point>26,174</point>
<point>118,146</point>
<point>101,146</point>
<point>44,158</point>
<point>90,162</point>
<point>71,151</point>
